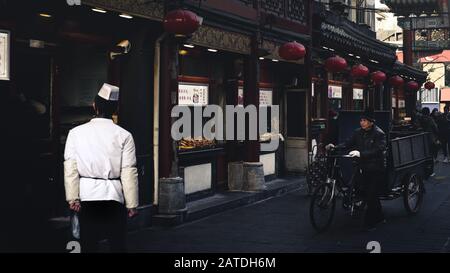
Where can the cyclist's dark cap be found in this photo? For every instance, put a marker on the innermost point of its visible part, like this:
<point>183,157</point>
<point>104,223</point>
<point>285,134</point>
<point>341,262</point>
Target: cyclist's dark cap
<point>369,115</point>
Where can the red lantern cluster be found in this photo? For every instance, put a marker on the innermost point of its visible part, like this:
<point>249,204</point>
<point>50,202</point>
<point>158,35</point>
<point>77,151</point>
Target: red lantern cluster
<point>412,86</point>
<point>429,85</point>
<point>181,22</point>
<point>378,77</point>
<point>335,64</point>
<point>359,71</point>
<point>396,81</point>
<point>292,51</point>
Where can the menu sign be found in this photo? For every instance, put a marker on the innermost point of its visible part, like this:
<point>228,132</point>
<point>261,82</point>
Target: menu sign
<point>240,96</point>
<point>358,94</point>
<point>192,94</point>
<point>4,55</point>
<point>335,92</point>
<point>265,96</point>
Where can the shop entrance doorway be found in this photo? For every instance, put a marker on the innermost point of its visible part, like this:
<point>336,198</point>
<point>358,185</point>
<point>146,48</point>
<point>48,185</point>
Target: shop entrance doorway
<point>296,130</point>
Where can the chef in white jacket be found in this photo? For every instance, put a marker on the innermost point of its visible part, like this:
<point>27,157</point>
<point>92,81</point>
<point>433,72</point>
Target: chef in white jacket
<point>101,180</point>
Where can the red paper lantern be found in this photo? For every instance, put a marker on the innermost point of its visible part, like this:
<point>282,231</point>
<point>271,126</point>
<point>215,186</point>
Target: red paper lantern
<point>412,86</point>
<point>359,71</point>
<point>292,51</point>
<point>181,22</point>
<point>429,85</point>
<point>378,77</point>
<point>396,81</point>
<point>335,64</point>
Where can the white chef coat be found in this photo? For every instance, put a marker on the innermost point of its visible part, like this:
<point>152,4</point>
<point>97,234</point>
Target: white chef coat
<point>101,149</point>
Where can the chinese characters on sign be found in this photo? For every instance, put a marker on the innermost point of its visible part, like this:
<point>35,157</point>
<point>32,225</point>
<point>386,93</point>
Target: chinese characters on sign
<point>240,96</point>
<point>193,94</point>
<point>358,94</point>
<point>335,92</point>
<point>4,55</point>
<point>265,97</point>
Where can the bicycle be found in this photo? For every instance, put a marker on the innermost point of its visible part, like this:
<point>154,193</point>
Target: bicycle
<point>316,171</point>
<point>323,201</point>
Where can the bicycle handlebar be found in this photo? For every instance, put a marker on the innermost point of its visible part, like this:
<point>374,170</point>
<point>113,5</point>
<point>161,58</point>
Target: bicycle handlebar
<point>341,156</point>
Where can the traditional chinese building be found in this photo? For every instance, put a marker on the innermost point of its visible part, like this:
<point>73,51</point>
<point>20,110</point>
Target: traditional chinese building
<point>236,52</point>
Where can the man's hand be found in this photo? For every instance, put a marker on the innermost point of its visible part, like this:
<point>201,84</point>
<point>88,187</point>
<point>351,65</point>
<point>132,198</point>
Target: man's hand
<point>75,206</point>
<point>355,154</point>
<point>132,213</point>
<point>330,147</point>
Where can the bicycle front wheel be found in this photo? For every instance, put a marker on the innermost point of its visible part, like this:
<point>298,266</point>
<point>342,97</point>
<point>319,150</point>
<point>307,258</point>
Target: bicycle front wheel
<point>323,204</point>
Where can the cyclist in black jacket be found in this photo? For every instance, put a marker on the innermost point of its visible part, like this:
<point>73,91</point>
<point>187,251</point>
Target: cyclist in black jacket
<point>368,143</point>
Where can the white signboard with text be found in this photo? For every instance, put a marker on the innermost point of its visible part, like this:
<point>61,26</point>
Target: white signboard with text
<point>335,92</point>
<point>4,55</point>
<point>358,94</point>
<point>190,94</point>
<point>265,96</point>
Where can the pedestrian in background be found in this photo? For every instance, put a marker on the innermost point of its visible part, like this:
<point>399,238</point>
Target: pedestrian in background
<point>443,133</point>
<point>428,125</point>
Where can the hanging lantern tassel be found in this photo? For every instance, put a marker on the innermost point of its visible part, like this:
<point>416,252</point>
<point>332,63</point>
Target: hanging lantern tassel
<point>378,77</point>
<point>181,22</point>
<point>335,64</point>
<point>292,51</point>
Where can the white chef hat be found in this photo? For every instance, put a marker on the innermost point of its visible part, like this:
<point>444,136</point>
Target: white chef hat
<point>109,92</point>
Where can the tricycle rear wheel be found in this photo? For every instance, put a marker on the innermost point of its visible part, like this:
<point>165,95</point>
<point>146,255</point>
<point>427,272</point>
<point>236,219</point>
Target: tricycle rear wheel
<point>413,191</point>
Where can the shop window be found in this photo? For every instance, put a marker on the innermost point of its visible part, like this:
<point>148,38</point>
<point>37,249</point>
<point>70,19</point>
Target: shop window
<point>196,96</point>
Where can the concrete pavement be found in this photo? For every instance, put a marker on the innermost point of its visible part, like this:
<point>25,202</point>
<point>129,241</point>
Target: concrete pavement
<point>281,225</point>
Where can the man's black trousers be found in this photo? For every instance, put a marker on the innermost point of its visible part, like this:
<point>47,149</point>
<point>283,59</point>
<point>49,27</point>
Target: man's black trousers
<point>101,220</point>
<point>370,186</point>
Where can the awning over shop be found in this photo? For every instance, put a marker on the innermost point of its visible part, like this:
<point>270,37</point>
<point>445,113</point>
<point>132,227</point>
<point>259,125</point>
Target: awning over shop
<point>343,35</point>
<point>409,72</point>
<point>350,40</point>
